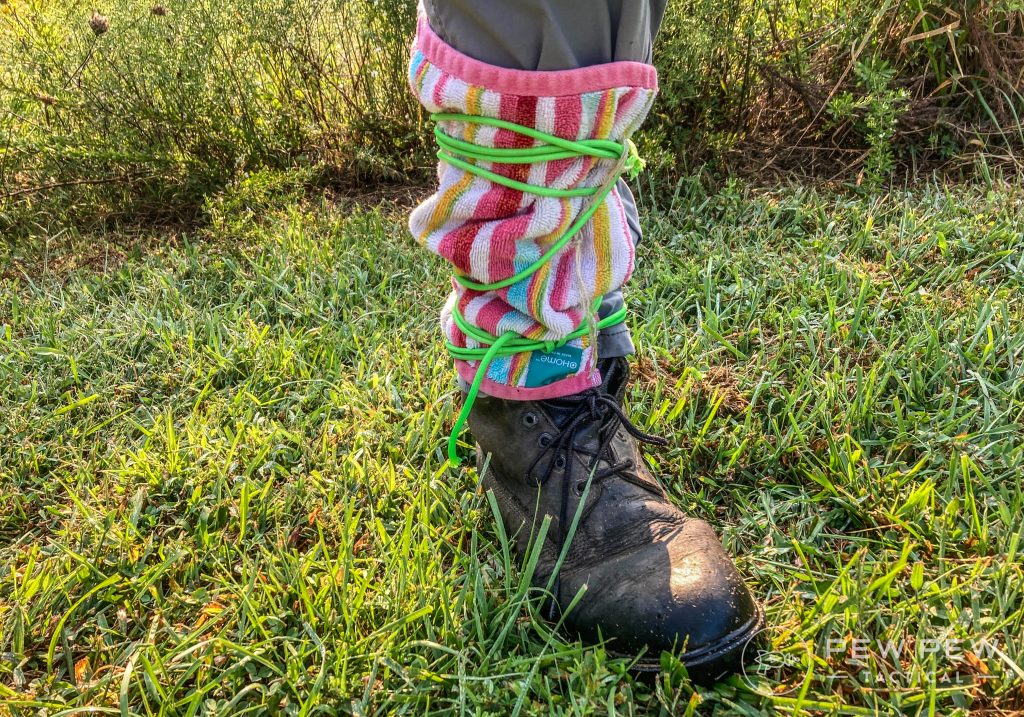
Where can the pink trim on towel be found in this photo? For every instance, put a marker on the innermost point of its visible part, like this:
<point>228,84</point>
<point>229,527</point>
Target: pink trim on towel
<point>566,387</point>
<point>532,83</point>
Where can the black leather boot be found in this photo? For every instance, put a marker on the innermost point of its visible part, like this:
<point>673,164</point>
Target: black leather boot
<point>654,578</point>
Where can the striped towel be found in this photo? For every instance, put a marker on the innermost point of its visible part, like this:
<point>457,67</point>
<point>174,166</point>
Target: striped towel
<point>490,232</point>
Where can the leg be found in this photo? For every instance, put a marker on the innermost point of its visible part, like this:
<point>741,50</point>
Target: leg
<point>558,35</point>
<point>562,78</point>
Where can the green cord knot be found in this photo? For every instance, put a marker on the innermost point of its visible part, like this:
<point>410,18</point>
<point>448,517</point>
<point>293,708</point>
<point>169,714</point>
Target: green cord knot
<point>467,156</point>
<point>634,163</point>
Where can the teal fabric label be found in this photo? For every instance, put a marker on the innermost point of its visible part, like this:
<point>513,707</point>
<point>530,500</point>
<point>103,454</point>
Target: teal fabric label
<point>545,368</point>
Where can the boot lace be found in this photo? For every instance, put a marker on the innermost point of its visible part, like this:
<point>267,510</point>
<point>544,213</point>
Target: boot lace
<point>593,406</point>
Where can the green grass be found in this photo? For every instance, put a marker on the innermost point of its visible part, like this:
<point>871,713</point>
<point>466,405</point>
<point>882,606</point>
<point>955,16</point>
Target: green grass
<point>223,488</point>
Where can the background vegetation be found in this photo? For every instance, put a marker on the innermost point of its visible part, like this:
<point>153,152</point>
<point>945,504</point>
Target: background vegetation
<point>127,108</point>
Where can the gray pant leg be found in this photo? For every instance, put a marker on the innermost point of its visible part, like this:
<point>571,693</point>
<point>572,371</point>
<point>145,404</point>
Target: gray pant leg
<point>557,35</point>
<point>616,340</point>
<point>548,34</point>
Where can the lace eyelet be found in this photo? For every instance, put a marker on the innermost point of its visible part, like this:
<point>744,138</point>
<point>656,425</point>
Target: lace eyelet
<point>560,463</point>
<point>544,440</point>
<point>530,419</point>
<point>578,488</point>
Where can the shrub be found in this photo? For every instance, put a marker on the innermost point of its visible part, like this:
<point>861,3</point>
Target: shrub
<point>130,108</point>
<point>854,86</point>
<point>168,102</point>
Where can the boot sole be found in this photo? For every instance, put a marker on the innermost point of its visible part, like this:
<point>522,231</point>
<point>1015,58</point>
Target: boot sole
<point>711,662</point>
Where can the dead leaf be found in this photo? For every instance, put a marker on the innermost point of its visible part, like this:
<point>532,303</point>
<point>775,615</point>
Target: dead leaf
<point>81,667</point>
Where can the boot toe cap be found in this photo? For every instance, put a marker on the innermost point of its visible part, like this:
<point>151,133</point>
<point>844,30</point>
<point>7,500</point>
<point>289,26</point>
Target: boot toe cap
<point>682,593</point>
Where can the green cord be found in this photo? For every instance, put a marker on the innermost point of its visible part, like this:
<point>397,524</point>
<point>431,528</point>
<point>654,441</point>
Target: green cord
<point>464,155</point>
